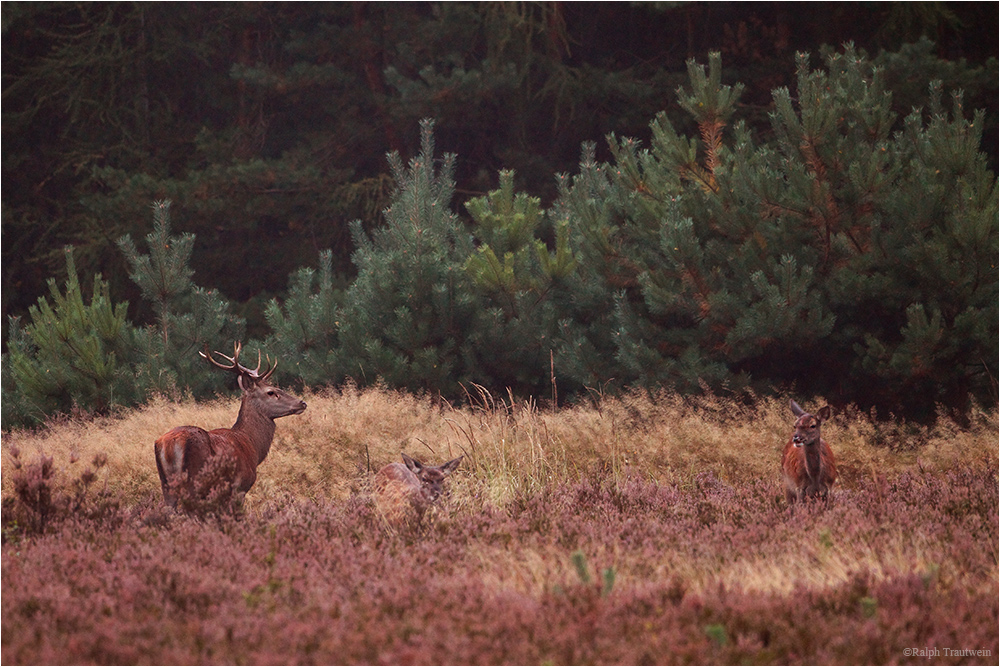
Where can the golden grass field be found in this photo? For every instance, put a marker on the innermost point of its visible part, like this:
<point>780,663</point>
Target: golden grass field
<point>513,448</point>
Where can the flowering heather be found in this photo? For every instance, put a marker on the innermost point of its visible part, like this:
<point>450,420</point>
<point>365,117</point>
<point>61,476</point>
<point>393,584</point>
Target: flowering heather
<point>637,531</point>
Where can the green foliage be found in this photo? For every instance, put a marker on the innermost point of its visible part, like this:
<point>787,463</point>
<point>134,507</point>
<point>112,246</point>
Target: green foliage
<point>499,77</point>
<point>268,124</point>
<point>73,356</point>
<point>843,249</point>
<point>509,224</point>
<point>908,70</point>
<point>590,208</point>
<point>305,326</point>
<point>519,281</point>
<point>406,316</point>
<point>607,581</point>
<point>869,606</point>
<point>164,275</point>
<point>189,318</point>
<point>716,632</point>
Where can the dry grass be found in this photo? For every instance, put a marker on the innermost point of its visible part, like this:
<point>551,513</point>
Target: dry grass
<point>512,447</point>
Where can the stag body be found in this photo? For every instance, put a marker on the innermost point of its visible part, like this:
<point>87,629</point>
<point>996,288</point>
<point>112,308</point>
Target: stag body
<point>808,464</point>
<point>406,490</point>
<point>186,449</point>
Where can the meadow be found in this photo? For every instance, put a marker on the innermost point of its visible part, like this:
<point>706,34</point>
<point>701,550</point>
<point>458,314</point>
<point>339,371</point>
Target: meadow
<point>626,530</point>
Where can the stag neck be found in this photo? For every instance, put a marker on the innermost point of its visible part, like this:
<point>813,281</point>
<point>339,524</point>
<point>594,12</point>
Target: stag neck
<point>257,427</point>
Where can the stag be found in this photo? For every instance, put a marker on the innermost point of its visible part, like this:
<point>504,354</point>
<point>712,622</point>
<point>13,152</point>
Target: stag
<point>186,450</point>
<point>807,463</point>
<point>407,489</point>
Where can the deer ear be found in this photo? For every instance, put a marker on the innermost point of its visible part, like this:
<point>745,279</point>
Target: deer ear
<point>412,464</point>
<point>247,383</point>
<point>824,413</point>
<point>796,410</point>
<point>450,466</point>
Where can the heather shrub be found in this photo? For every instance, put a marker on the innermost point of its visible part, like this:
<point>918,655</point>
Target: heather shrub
<point>641,529</point>
<point>45,495</point>
<point>627,573</point>
<point>213,490</point>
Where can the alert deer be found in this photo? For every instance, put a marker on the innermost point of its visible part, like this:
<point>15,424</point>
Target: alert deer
<point>808,464</point>
<point>186,449</point>
<point>404,490</point>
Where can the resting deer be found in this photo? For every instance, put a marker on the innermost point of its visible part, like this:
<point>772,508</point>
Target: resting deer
<point>408,488</point>
<point>808,464</point>
<point>186,449</point>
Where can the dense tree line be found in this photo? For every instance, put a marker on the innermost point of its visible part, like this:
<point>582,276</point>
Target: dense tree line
<point>267,123</point>
<point>829,224</point>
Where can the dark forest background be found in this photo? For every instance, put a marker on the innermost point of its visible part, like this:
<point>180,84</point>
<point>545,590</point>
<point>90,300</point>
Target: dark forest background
<point>267,125</point>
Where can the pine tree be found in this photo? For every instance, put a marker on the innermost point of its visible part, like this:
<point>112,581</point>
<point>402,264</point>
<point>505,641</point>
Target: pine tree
<point>407,315</point>
<point>519,280</point>
<point>305,327</point>
<point>904,226</point>
<point>850,254</point>
<point>164,275</point>
<point>591,207</point>
<point>72,357</point>
<point>937,343</point>
<point>189,318</point>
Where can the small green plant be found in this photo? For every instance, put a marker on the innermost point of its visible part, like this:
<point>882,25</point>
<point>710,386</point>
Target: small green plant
<point>869,607</point>
<point>826,538</point>
<point>716,632</point>
<point>608,581</point>
<point>580,564</point>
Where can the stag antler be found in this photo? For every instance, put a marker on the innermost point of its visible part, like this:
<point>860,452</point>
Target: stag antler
<point>236,367</point>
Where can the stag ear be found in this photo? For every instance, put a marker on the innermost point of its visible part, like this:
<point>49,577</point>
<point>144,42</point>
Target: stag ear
<point>796,410</point>
<point>413,464</point>
<point>824,413</point>
<point>450,466</point>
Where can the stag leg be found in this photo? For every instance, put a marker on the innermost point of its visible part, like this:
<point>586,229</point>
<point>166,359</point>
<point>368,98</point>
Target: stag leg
<point>168,498</point>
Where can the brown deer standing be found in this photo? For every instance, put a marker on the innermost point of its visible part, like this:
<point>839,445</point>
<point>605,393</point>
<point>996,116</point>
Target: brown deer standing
<point>808,464</point>
<point>186,449</point>
<point>405,490</point>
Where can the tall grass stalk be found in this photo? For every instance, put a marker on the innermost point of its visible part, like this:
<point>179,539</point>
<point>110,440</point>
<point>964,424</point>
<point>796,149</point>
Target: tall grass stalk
<point>510,450</point>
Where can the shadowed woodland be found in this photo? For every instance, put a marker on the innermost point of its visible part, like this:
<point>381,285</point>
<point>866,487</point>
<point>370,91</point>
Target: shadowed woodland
<point>593,206</point>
